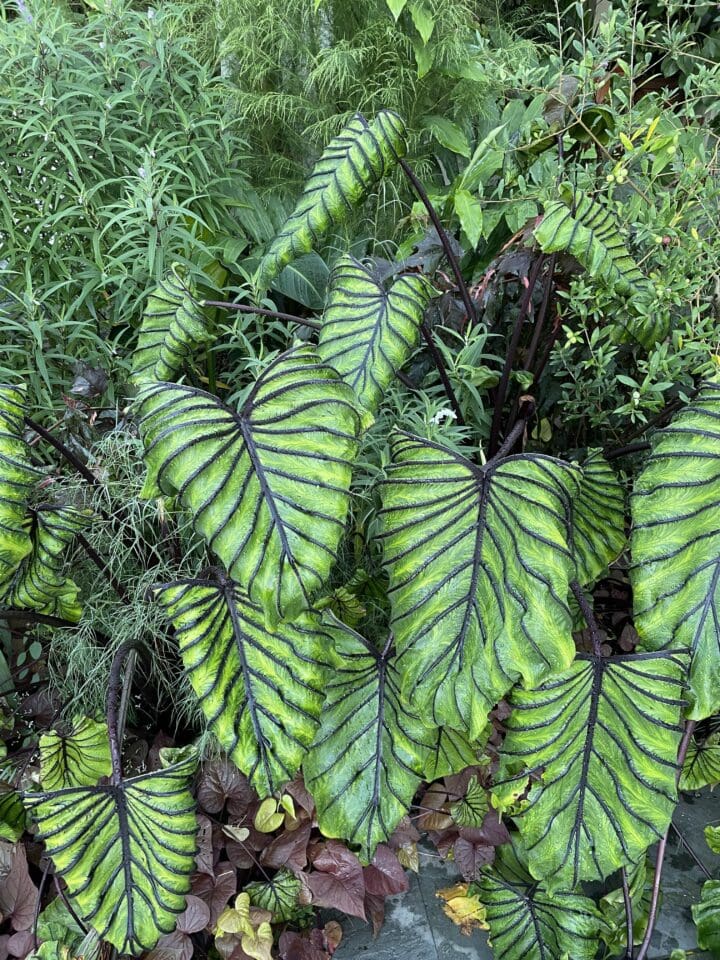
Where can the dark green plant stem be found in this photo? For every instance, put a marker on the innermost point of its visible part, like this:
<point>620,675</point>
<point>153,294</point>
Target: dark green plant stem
<point>245,308</point>
<point>61,894</point>
<point>102,567</point>
<point>29,616</point>
<point>501,392</point>
<point>655,421</point>
<point>589,616</point>
<point>36,913</point>
<point>443,237</point>
<point>627,450</point>
<point>629,934</point>
<point>652,915</point>
<point>690,852</point>
<point>115,722</point>
<point>542,313</point>
<point>440,366</point>
<point>64,451</point>
<point>526,411</point>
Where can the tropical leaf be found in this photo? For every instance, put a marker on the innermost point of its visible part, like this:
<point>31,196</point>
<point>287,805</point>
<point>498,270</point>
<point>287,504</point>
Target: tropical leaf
<point>126,851</point>
<point>471,810</point>
<point>260,688</point>
<point>598,519</point>
<point>38,583</point>
<point>602,740</point>
<point>706,915</point>
<point>12,813</point>
<point>268,485</point>
<point>676,545</point>
<point>279,895</point>
<point>479,569</point>
<point>368,757</point>
<point>702,764</point>
<point>17,480</point>
<point>451,752</point>
<point>361,154</point>
<point>582,226</point>
<point>173,327</point>
<point>76,760</point>
<point>527,921</point>
<point>369,331</point>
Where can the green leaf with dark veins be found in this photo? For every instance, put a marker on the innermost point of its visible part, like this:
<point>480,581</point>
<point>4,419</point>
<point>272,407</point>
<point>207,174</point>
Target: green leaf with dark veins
<point>471,809</point>
<point>268,485</point>
<point>18,477</point>
<point>369,331</point>
<point>706,915</point>
<point>479,568</point>
<point>451,752</point>
<point>76,760</point>
<point>702,764</point>
<point>601,739</point>
<point>261,688</point>
<point>676,545</point>
<point>278,895</point>
<point>598,519</point>
<point>367,760</point>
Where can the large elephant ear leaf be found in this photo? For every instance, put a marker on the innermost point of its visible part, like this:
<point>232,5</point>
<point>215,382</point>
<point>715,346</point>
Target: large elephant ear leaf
<point>125,851</point>
<point>479,567</point>
<point>598,519</point>
<point>582,226</point>
<point>173,326</point>
<point>17,480</point>
<point>603,739</point>
<point>526,921</point>
<point>360,155</point>
<point>260,688</point>
<point>268,485</point>
<point>369,331</point>
<point>39,583</point>
<point>367,760</point>
<point>450,753</point>
<point>76,760</point>
<point>702,764</point>
<point>676,545</point>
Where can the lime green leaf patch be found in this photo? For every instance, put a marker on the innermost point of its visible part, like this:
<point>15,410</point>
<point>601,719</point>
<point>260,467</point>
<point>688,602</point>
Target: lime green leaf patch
<point>17,480</point>
<point>598,519</point>
<point>702,764</point>
<point>268,485</point>
<point>76,760</point>
<point>706,915</point>
<point>603,737</point>
<point>676,545</point>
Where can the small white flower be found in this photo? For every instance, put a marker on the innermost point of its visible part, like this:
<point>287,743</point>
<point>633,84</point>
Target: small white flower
<point>444,413</point>
<point>151,13</point>
<point>141,172</point>
<point>102,44</point>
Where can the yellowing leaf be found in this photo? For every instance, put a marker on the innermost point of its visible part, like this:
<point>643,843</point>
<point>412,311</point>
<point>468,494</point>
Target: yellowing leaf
<point>286,802</point>
<point>267,818</point>
<point>465,911</point>
<point>238,834</point>
<point>409,858</point>
<point>258,944</point>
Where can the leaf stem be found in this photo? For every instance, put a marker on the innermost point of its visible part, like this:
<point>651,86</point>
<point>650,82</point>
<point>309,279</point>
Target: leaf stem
<point>64,451</point>
<point>691,853</point>
<point>117,704</point>
<point>443,237</point>
<point>627,450</point>
<point>102,567</point>
<point>516,432</point>
<point>30,616</point>
<point>652,916</point>
<point>629,934</point>
<point>587,612</point>
<point>246,308</point>
<point>440,366</point>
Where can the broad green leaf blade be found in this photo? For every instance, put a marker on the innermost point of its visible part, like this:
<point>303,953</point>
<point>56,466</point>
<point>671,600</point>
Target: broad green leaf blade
<point>76,760</point>
<point>676,545</point>
<point>369,331</point>
<point>706,915</point>
<point>173,326</point>
<point>361,154</point>
<point>451,752</point>
<point>702,764</point>
<point>17,479</point>
<point>603,739</point>
<point>471,809</point>
<point>12,813</point>
<point>39,583</point>
<point>367,760</point>
<point>126,852</point>
<point>279,895</point>
<point>598,519</point>
<point>260,688</point>
<point>593,236</point>
<point>268,485</point>
<point>527,922</point>
<point>479,569</point>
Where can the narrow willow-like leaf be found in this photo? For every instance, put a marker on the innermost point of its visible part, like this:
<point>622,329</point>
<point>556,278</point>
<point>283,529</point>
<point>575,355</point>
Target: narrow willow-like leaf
<point>451,752</point>
<point>126,852</point>
<point>479,569</point>
<point>706,915</point>
<point>260,688</point>
<point>603,739</point>
<point>676,545</point>
<point>39,583</point>
<point>268,485</point>
<point>76,760</point>
<point>588,230</point>
<point>17,479</point>
<point>368,757</point>
<point>361,154</point>
<point>173,326</point>
<point>702,764</point>
<point>369,331</point>
<point>527,921</point>
<point>598,519</point>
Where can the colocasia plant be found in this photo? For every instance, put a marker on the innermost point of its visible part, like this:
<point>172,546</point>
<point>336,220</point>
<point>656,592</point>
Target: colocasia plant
<point>467,640</point>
